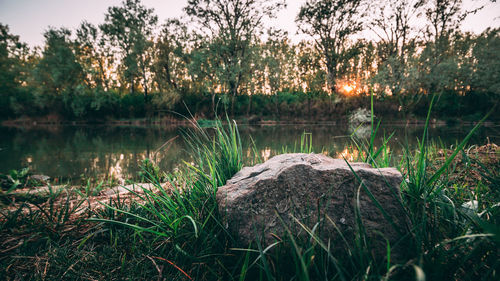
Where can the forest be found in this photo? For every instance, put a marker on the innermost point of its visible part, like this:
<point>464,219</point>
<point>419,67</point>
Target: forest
<point>221,57</point>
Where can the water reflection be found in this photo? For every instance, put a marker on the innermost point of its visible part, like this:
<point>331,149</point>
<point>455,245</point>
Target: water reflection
<point>70,153</point>
<point>266,153</point>
<point>350,154</point>
<point>362,131</point>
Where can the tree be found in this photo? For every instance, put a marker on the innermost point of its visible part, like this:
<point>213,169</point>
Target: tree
<point>58,74</point>
<point>312,75</point>
<point>130,28</point>
<point>94,55</point>
<point>486,54</point>
<point>394,24</point>
<point>205,68</point>
<point>278,55</point>
<point>330,23</point>
<point>13,55</point>
<point>171,62</point>
<point>232,26</point>
<point>58,71</point>
<point>171,55</point>
<point>445,16</point>
<point>438,58</point>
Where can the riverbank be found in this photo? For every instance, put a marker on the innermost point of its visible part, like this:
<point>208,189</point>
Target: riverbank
<point>173,232</point>
<point>269,111</point>
<point>29,122</point>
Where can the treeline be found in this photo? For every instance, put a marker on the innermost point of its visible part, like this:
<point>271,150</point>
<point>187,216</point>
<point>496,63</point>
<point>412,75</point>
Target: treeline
<point>219,56</point>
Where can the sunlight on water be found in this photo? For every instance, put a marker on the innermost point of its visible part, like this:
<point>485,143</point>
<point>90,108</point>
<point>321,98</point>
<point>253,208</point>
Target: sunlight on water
<point>349,154</point>
<point>70,153</point>
<point>265,153</point>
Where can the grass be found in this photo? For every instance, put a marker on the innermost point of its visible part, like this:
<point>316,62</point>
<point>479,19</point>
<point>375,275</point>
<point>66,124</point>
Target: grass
<point>367,152</point>
<point>175,231</point>
<point>305,145</point>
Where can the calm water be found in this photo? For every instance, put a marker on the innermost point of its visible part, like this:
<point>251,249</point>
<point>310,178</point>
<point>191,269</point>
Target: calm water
<point>69,153</point>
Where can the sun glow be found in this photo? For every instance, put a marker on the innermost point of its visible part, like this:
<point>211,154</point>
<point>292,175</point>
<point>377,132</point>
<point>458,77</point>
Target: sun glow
<point>348,88</point>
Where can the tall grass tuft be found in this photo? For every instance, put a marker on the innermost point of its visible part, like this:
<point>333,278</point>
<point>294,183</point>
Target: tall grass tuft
<point>217,153</point>
<point>441,230</point>
<point>183,211</point>
<point>368,153</point>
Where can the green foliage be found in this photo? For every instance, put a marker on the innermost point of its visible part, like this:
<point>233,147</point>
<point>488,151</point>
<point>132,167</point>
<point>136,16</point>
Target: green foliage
<point>10,58</point>
<point>171,56</point>
<point>203,123</point>
<point>47,218</point>
<point>151,172</point>
<point>233,26</point>
<point>183,214</point>
<point>97,73</point>
<point>130,28</point>
<point>14,68</point>
<point>305,145</point>
<point>309,65</point>
<point>485,51</point>
<point>58,71</point>
<point>14,179</point>
<point>217,158</point>
<point>90,188</point>
<point>174,230</point>
<point>441,228</point>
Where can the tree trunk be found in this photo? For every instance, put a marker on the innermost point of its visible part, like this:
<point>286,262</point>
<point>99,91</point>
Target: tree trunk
<point>169,77</point>
<point>249,107</point>
<point>214,110</point>
<point>233,89</point>
<point>331,67</point>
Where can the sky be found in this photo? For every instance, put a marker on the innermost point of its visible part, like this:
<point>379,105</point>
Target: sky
<point>30,18</point>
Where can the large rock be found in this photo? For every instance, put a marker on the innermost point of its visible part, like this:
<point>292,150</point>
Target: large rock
<point>313,188</point>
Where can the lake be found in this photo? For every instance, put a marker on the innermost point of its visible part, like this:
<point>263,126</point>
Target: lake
<point>76,152</point>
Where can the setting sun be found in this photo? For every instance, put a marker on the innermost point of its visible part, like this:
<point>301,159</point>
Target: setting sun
<point>348,88</point>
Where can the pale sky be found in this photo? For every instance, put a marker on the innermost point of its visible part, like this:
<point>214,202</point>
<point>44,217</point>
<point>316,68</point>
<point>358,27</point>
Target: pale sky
<point>30,18</point>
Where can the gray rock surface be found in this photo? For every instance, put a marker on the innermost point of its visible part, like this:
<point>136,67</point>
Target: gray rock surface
<point>313,188</point>
<point>40,178</point>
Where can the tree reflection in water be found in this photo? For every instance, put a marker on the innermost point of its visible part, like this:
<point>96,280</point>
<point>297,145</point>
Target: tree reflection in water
<point>70,153</point>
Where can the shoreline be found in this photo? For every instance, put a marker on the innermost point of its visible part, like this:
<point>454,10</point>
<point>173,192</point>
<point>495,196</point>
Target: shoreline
<point>170,122</point>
